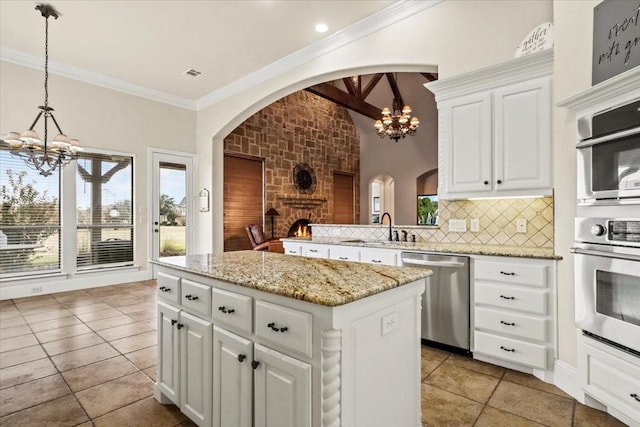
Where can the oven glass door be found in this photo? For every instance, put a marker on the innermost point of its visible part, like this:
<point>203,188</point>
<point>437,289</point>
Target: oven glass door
<point>611,169</point>
<point>608,297</point>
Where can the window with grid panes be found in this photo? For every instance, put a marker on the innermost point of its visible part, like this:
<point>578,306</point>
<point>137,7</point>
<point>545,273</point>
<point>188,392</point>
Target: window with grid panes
<point>29,218</point>
<point>104,210</point>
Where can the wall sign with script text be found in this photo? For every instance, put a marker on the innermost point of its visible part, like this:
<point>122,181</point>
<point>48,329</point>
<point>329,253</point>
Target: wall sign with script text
<point>538,39</point>
<point>616,38</point>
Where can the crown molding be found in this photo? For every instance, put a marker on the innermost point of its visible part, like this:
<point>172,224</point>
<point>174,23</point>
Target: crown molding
<point>504,73</point>
<point>36,62</point>
<point>615,90</point>
<point>392,14</point>
<point>387,16</point>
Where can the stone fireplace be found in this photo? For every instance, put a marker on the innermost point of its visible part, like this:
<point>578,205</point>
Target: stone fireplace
<point>300,228</point>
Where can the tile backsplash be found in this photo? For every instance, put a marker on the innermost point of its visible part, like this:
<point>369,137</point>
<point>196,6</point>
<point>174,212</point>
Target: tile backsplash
<point>497,224</point>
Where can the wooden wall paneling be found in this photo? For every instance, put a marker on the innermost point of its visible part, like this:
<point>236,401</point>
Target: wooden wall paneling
<point>343,198</point>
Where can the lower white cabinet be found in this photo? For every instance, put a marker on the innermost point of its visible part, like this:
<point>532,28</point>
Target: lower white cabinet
<point>184,369</point>
<point>379,256</point>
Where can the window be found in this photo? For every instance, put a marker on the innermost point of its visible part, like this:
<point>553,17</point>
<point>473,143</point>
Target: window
<point>29,218</point>
<point>428,209</point>
<point>104,209</point>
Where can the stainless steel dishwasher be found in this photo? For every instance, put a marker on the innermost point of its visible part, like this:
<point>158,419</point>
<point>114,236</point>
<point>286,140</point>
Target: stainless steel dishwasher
<point>445,302</point>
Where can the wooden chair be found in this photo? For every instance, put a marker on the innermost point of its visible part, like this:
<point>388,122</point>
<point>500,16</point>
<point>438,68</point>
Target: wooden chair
<point>256,237</point>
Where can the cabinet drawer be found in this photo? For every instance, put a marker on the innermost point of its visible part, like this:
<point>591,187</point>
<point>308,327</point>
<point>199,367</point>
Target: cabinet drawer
<point>292,249</point>
<point>315,252</point>
<point>233,310</point>
<point>378,257</point>
<point>517,274</point>
<point>168,287</point>
<point>344,253</point>
<point>516,351</point>
<point>605,376</point>
<point>518,325</point>
<point>511,297</point>
<point>196,297</point>
<point>290,329</point>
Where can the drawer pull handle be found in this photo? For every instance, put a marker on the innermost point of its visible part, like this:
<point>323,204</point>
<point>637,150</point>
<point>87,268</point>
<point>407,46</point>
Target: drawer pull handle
<point>504,297</point>
<point>274,328</point>
<point>180,326</point>
<point>241,358</point>
<point>507,274</point>
<point>293,252</point>
<point>507,323</point>
<point>255,364</point>
<point>343,258</point>
<point>191,297</point>
<point>635,396</point>
<point>173,322</point>
<point>313,250</point>
<point>164,289</point>
<point>377,261</point>
<point>226,310</point>
<point>507,349</point>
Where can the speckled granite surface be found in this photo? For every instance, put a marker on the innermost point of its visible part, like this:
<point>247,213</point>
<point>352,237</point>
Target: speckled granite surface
<point>319,281</point>
<point>457,248</point>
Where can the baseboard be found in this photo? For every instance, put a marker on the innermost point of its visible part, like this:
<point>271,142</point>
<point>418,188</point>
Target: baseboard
<point>50,285</point>
<point>566,378</point>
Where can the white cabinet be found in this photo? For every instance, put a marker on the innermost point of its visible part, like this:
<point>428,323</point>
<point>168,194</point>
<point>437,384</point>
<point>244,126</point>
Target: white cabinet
<point>184,365</point>
<point>495,130</point>
<point>312,250</point>
<point>514,313</point>
<point>379,256</point>
<point>345,253</point>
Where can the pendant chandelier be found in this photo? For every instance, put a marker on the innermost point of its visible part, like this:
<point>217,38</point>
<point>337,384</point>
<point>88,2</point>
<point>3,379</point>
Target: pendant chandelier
<point>398,123</point>
<point>40,154</point>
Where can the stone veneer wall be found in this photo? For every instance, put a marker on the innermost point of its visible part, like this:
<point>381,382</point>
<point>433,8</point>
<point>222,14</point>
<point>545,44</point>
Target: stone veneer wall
<point>497,224</point>
<point>300,128</point>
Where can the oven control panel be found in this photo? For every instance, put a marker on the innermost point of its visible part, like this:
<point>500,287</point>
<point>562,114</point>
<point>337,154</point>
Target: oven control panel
<point>608,231</point>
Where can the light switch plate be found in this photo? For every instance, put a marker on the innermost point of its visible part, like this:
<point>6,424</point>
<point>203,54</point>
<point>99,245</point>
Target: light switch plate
<point>458,225</point>
<point>389,323</point>
<point>521,225</point>
<point>474,225</point>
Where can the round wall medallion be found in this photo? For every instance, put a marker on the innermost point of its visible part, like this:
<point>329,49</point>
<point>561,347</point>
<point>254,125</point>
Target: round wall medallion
<point>304,179</point>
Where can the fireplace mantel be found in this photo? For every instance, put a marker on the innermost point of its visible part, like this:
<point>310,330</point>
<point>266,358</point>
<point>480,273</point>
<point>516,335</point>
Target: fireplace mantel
<point>302,202</point>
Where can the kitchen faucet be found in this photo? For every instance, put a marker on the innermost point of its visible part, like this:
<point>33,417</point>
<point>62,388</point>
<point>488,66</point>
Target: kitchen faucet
<point>382,219</point>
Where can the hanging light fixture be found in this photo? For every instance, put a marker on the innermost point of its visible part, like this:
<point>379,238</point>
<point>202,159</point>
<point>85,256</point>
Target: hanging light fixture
<point>40,154</point>
<point>398,123</point>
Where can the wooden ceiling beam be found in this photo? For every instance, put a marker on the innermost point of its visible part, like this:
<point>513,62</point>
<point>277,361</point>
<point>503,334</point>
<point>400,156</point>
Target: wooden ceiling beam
<point>351,88</point>
<point>344,99</point>
<point>430,76</point>
<point>372,83</point>
<point>395,89</point>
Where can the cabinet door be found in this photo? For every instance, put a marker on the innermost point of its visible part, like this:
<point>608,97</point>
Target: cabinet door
<point>467,129</point>
<point>523,136</point>
<point>196,369</point>
<point>168,352</point>
<point>315,251</point>
<point>233,379</point>
<point>282,390</point>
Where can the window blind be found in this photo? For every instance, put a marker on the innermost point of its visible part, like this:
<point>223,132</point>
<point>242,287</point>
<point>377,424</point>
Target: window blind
<point>29,218</point>
<point>104,204</point>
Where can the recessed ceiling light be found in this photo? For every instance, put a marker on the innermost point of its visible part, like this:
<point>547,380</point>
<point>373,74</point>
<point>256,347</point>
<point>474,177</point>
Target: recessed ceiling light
<point>321,27</point>
<point>192,73</point>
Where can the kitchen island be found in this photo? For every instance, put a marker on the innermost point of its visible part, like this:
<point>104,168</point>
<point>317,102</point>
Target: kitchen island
<point>257,338</point>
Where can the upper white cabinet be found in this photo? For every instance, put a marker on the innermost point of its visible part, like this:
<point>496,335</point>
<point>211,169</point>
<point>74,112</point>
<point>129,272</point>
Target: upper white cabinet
<point>495,130</point>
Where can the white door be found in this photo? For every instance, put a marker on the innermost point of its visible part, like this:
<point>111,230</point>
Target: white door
<point>523,135</point>
<point>172,203</point>
<point>282,390</point>
<point>196,369</point>
<point>468,143</point>
<point>169,352</point>
<point>233,380</point>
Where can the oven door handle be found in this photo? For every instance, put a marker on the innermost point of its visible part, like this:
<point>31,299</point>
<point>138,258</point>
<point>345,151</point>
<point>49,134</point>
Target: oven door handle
<point>615,255</point>
<point>617,135</point>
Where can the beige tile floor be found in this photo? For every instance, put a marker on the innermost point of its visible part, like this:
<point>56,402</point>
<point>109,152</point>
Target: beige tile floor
<point>88,358</point>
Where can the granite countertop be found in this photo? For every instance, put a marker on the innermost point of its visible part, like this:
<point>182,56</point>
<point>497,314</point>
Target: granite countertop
<point>318,281</point>
<point>454,248</point>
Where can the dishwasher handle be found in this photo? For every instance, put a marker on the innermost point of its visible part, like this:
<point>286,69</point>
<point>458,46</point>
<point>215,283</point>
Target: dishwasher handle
<point>426,263</point>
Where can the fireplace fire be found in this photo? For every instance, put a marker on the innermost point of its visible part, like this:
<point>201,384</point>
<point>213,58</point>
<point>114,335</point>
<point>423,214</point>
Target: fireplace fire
<point>300,228</point>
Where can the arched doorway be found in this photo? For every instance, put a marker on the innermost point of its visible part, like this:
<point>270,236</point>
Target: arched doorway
<point>381,197</point>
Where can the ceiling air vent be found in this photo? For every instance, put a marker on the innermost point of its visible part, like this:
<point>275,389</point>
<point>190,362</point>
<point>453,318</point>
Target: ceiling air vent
<point>192,73</point>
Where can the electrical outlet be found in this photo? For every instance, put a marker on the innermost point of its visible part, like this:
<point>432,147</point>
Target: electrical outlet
<point>521,225</point>
<point>389,323</point>
<point>458,225</point>
<point>335,231</point>
<point>474,225</point>
<point>36,289</point>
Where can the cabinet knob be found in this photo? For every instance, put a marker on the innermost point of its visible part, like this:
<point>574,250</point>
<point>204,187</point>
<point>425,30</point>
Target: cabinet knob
<point>155,230</point>
<point>241,358</point>
<point>179,326</point>
<point>173,322</point>
<point>512,350</point>
<point>486,183</point>
<point>499,181</point>
<point>505,297</point>
<point>255,364</point>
